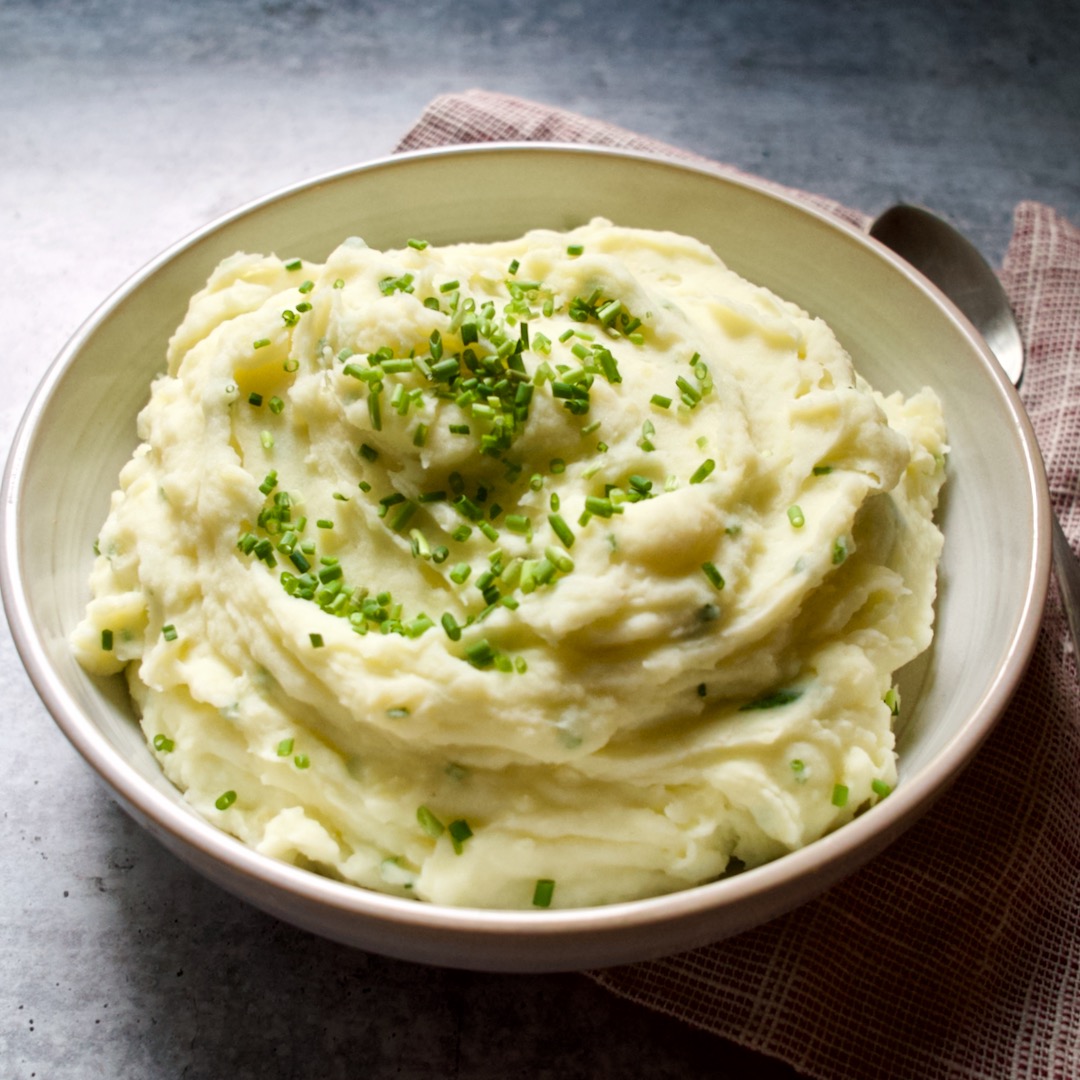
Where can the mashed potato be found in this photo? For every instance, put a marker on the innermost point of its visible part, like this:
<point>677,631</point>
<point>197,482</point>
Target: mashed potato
<point>559,571</point>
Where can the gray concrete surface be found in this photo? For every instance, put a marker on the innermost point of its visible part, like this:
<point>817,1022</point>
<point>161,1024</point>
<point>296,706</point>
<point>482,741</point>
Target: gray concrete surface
<point>125,124</point>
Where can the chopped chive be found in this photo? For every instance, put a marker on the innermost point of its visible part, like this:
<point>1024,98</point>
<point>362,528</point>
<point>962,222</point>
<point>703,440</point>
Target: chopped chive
<point>594,504</point>
<point>295,264</point>
<point>107,640</point>
<point>255,399</point>
<point>839,551</point>
<point>301,761</point>
<point>892,699</point>
<point>368,452</point>
<point>562,561</point>
<point>689,393</point>
<point>714,575</point>
<point>261,343</point>
<point>225,800</point>
<point>543,892</point>
<point>419,245</point>
<point>450,625</point>
<point>403,516</point>
<point>276,405</point>
<point>772,701</point>
<point>163,744</point>
<point>702,471</point>
<point>284,748</point>
<point>459,833</point>
<point>429,822</point>
<point>307,286</point>
<point>880,788</point>
<point>561,529</point>
<point>660,401</point>
<point>822,470</point>
<point>460,573</point>
<point>324,523</point>
<point>168,632</point>
<point>795,516</point>
<point>480,653</point>
<point>575,249</point>
<point>840,795</point>
<point>513,267</point>
<point>316,641</point>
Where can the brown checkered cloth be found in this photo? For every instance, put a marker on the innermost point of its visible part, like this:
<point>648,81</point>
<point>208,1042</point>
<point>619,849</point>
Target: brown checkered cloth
<point>956,953</point>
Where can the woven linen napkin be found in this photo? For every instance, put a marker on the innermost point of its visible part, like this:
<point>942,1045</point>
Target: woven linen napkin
<point>956,953</point>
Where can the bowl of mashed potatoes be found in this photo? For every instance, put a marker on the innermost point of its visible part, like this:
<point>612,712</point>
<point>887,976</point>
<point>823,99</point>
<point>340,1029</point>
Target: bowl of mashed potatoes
<point>526,557</point>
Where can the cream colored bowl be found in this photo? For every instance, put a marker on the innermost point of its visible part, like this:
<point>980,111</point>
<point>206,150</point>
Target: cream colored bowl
<point>80,429</point>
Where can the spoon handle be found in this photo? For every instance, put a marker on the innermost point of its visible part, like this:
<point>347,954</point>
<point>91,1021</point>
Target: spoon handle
<point>1068,577</point>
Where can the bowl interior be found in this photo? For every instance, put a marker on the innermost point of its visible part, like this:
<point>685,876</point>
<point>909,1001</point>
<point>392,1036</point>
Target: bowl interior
<point>80,430</point>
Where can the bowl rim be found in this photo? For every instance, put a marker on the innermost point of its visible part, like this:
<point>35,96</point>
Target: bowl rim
<point>887,819</point>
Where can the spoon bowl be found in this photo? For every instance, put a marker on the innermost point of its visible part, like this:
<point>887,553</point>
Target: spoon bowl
<point>959,270</point>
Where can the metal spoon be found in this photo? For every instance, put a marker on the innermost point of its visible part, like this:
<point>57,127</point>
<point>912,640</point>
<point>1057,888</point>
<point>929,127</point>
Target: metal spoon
<point>957,268</point>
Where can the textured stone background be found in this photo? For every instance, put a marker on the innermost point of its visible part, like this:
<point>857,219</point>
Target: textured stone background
<point>126,124</point>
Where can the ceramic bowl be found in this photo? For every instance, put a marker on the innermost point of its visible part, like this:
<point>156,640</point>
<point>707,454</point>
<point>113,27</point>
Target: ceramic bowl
<point>80,429</point>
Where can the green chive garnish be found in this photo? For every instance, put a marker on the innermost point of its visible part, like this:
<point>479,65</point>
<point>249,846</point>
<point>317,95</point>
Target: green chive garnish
<point>480,653</point>
<point>225,800</point>
<point>429,822</point>
<point>107,640</point>
<point>163,744</point>
<point>795,516</point>
<point>543,892</point>
<point>714,575</point>
<point>880,788</point>
<point>840,795</point>
<point>316,641</point>
<point>702,471</point>
<point>561,529</point>
<point>459,833</point>
<point>772,701</point>
<point>168,632</point>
